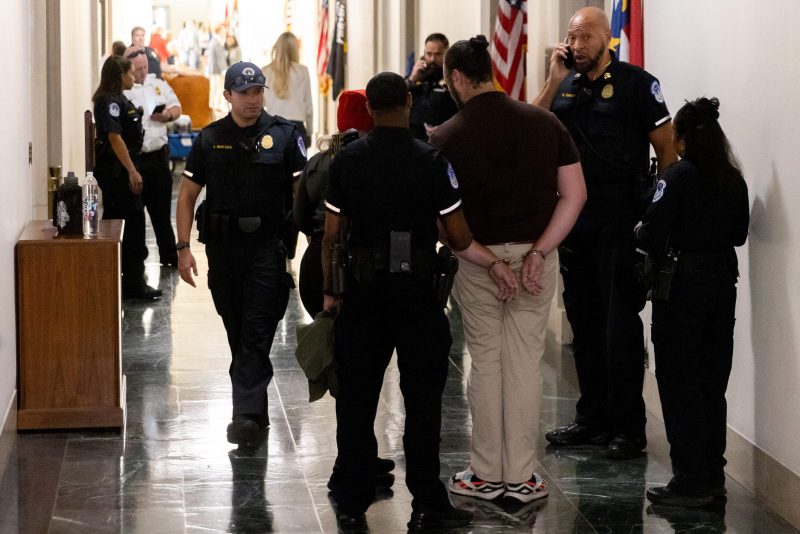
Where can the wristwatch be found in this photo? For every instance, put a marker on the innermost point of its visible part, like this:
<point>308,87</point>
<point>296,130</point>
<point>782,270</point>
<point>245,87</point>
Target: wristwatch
<point>181,244</point>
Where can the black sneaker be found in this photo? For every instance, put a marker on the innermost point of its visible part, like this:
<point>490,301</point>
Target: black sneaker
<point>625,447</point>
<point>442,517</point>
<point>667,496</point>
<point>245,431</point>
<point>577,434</point>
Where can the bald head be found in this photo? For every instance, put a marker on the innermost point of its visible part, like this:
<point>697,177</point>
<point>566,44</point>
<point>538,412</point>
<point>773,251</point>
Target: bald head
<point>589,35</point>
<point>592,16</point>
<point>138,57</point>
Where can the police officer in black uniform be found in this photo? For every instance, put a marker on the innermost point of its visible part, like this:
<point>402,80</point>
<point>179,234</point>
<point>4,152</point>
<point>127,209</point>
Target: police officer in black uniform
<point>614,112</point>
<point>389,190</point>
<point>699,213</point>
<point>246,160</point>
<point>431,103</point>
<point>117,149</point>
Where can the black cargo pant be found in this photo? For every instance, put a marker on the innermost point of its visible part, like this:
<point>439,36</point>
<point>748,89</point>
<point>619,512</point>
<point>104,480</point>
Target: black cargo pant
<point>603,298</point>
<point>396,312</point>
<point>120,203</point>
<point>157,198</point>
<point>693,340</point>
<point>250,287</point>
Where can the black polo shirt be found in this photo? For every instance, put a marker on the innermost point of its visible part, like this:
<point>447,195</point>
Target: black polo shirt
<point>247,171</point>
<point>613,114</point>
<point>390,181</point>
<point>690,212</point>
<point>117,114</point>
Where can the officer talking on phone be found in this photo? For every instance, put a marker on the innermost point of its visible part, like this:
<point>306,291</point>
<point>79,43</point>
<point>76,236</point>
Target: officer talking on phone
<point>431,103</point>
<point>614,112</point>
<point>386,194</point>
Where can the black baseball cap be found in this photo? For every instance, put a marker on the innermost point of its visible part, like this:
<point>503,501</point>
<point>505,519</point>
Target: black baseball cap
<point>243,75</point>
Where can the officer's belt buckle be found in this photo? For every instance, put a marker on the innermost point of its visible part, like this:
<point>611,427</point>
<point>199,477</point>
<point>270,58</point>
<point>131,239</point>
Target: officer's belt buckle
<point>248,225</point>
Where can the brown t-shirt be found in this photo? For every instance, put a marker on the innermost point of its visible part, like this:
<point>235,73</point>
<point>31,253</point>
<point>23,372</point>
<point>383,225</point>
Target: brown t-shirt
<point>506,156</point>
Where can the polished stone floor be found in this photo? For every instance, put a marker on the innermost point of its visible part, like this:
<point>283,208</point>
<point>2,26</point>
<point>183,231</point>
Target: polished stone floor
<point>171,469</point>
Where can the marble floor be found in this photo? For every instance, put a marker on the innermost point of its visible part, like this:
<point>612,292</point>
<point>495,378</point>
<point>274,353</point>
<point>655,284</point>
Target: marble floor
<point>171,470</point>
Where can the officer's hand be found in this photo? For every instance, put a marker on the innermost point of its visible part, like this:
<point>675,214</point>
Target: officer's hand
<point>419,68</point>
<point>532,270</point>
<point>506,281</point>
<point>136,181</point>
<point>330,303</point>
<point>161,117</point>
<point>557,69</point>
<point>187,266</point>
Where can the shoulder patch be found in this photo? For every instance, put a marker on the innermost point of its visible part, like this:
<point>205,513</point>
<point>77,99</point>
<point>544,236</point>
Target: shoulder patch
<point>113,109</point>
<point>302,146</point>
<point>452,175</point>
<point>661,186</point>
<point>655,89</point>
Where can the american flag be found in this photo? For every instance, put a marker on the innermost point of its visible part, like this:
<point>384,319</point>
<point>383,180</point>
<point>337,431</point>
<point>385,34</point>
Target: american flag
<point>323,53</point>
<point>509,46</point>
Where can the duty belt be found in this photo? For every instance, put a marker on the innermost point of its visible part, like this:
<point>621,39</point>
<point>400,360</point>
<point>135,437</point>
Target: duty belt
<point>225,225</point>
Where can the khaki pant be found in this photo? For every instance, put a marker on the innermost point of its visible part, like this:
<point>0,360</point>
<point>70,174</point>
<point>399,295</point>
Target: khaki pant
<point>506,342</point>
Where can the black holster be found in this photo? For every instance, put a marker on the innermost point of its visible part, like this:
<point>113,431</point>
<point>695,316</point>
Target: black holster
<point>444,274</point>
<point>339,267</point>
<point>656,274</point>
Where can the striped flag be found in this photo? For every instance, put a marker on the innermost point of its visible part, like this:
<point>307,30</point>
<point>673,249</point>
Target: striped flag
<point>509,46</point>
<point>338,58</point>
<point>323,53</point>
<point>627,31</point>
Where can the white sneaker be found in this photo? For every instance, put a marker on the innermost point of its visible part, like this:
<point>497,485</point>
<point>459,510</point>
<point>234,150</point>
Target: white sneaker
<point>527,491</point>
<point>468,483</point>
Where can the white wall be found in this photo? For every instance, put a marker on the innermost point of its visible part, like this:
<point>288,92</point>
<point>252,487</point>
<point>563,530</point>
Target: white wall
<point>458,20</point>
<point>15,181</point>
<point>744,55</point>
<point>78,81</point>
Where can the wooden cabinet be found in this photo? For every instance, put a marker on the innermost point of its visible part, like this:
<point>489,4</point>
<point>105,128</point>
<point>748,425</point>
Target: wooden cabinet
<point>69,328</point>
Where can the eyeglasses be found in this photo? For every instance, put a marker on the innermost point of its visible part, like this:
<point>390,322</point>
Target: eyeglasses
<point>135,53</point>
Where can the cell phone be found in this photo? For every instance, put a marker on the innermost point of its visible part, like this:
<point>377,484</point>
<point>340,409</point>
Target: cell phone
<point>569,61</point>
<point>159,108</point>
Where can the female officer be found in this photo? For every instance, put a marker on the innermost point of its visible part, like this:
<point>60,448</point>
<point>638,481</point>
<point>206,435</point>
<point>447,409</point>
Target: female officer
<point>119,141</point>
<point>699,213</point>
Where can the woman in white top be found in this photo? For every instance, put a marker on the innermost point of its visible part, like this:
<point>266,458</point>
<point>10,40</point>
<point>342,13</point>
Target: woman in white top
<point>288,92</point>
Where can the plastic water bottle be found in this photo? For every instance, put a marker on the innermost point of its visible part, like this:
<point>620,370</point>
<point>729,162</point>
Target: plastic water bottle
<point>91,215</point>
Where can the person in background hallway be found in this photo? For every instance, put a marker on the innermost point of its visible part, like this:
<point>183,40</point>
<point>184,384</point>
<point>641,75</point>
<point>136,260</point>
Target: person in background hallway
<point>246,160</point>
<point>288,92</point>
<point>153,59</point>
<point>216,63</point>
<point>189,44</point>
<point>233,49</point>
<point>614,112</point>
<point>522,188</point>
<point>288,95</point>
<point>700,212</point>
<point>393,191</point>
<point>158,42</point>
<point>117,49</point>
<point>117,148</point>
<point>146,94</point>
<point>353,122</point>
<point>432,104</point>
